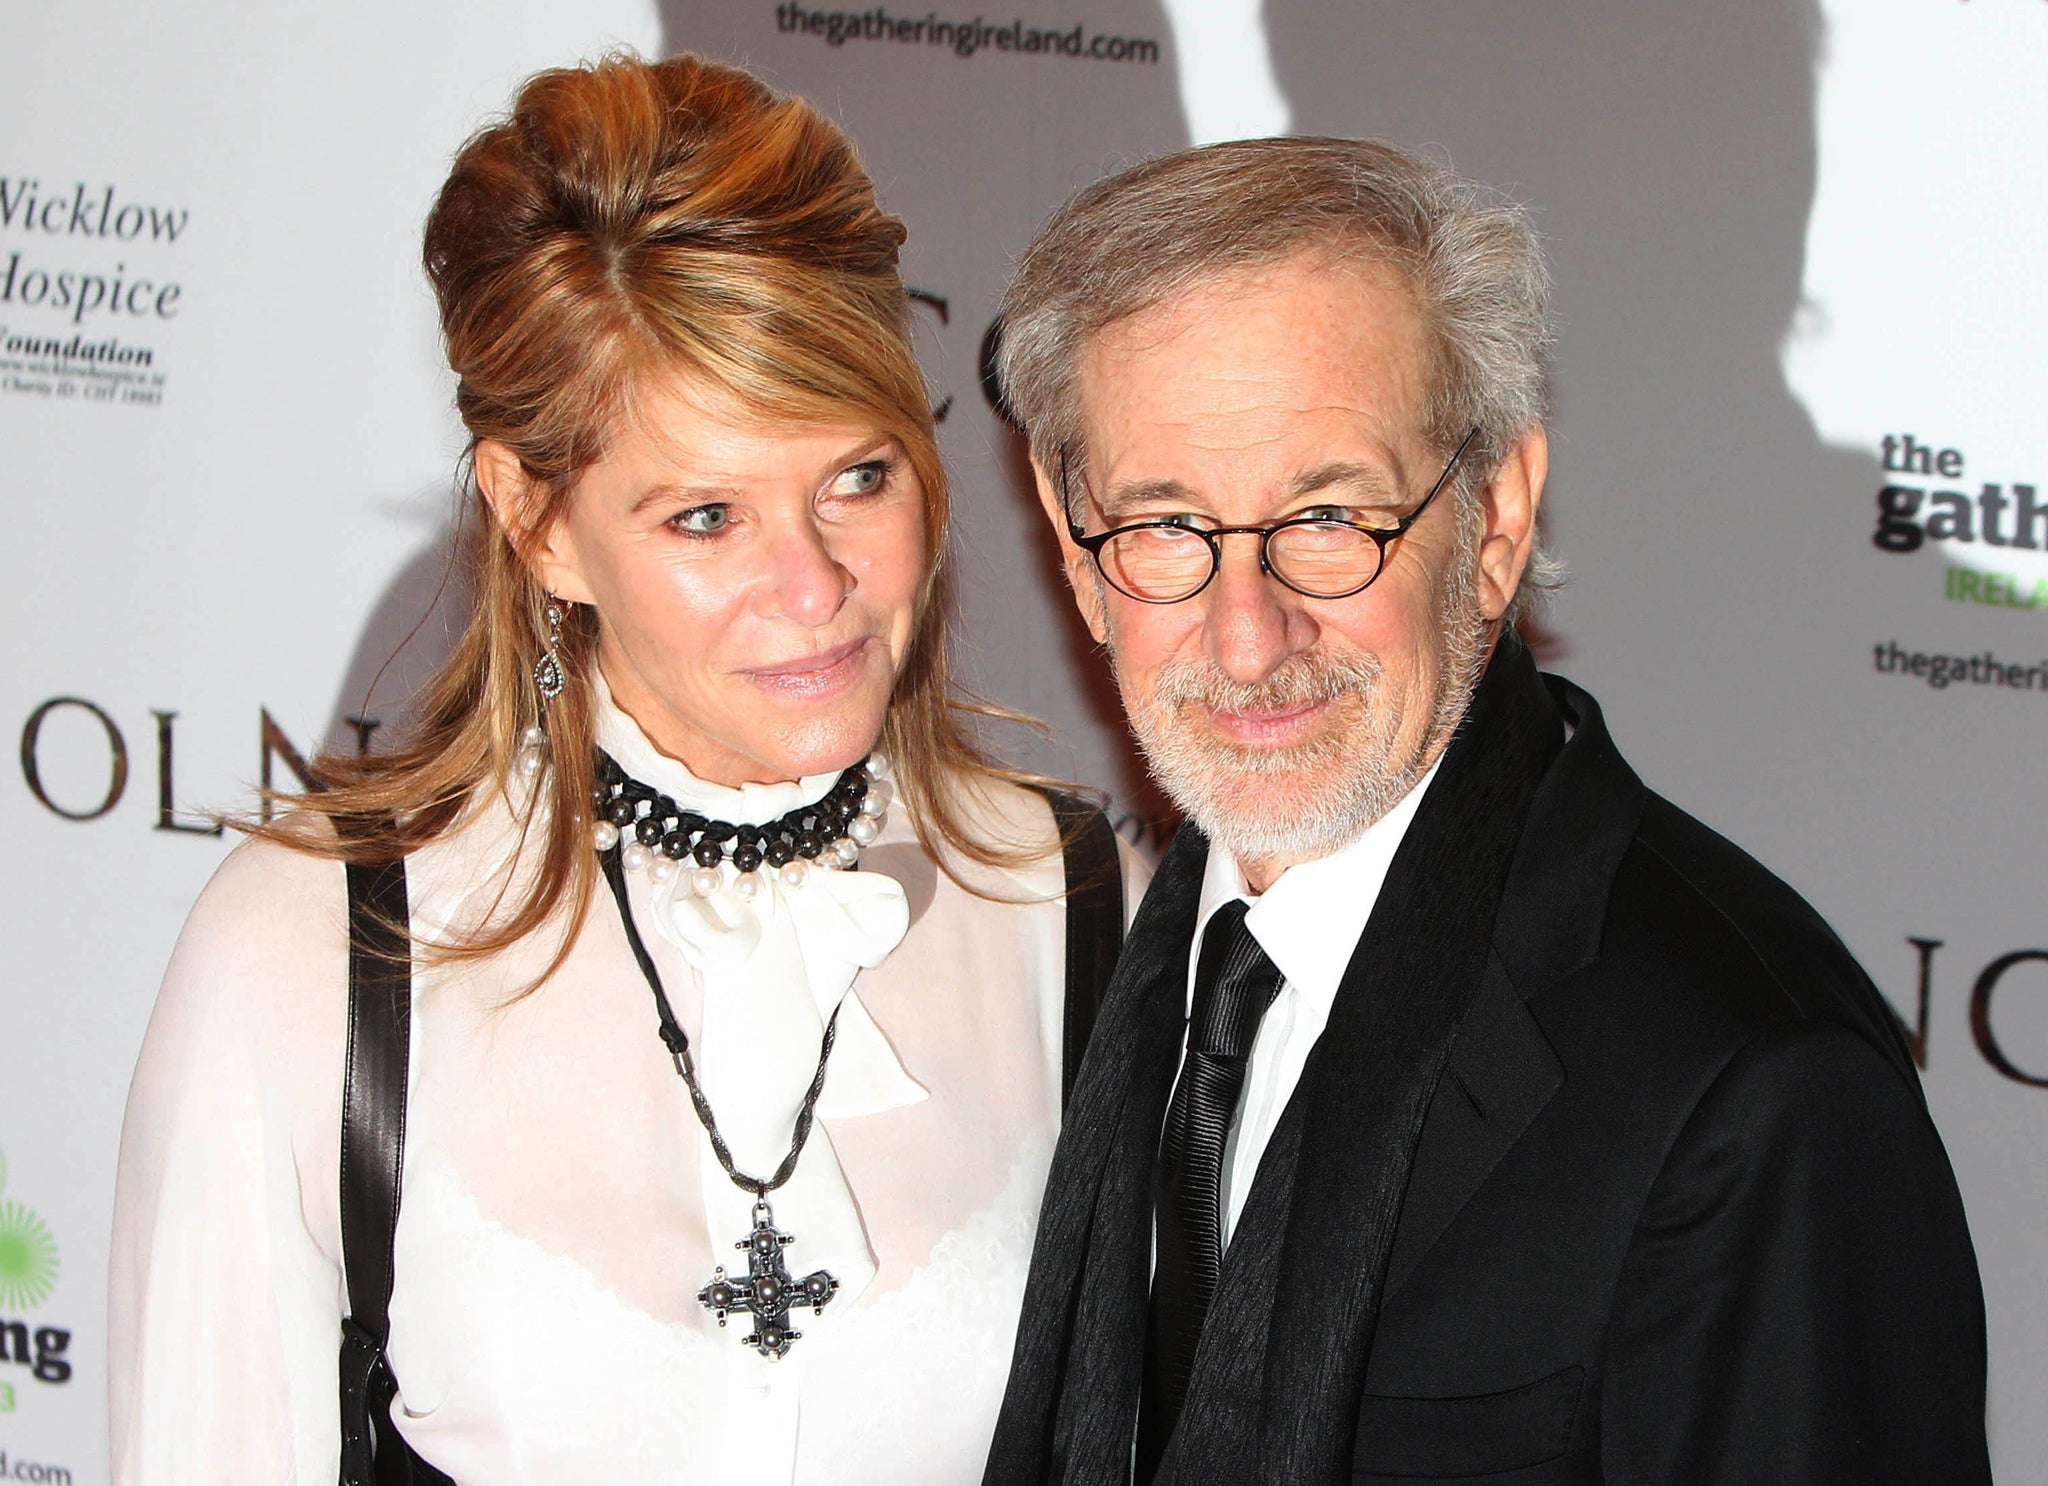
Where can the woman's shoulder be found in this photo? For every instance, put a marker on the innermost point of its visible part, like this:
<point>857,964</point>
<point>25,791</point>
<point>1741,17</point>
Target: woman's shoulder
<point>282,896</point>
<point>269,929</point>
<point>267,892</point>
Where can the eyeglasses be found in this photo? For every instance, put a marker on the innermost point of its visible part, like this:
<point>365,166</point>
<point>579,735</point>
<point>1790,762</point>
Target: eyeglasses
<point>1166,561</point>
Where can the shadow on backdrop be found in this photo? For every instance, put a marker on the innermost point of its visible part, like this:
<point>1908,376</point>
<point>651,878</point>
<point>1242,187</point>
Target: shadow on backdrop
<point>1668,151</point>
<point>412,626</point>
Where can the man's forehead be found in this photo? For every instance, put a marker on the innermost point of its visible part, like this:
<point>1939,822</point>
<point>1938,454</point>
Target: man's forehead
<point>1313,268</point>
<point>1309,313</point>
<point>1263,364</point>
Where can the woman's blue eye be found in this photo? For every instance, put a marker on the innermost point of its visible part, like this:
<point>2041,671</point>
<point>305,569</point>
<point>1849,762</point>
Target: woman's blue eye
<point>862,479</point>
<point>702,521</point>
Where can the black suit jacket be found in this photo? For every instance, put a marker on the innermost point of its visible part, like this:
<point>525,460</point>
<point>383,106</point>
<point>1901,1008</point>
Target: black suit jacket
<point>1676,1212</point>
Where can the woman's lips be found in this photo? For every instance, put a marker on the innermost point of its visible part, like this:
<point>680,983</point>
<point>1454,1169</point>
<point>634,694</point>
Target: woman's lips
<point>814,675</point>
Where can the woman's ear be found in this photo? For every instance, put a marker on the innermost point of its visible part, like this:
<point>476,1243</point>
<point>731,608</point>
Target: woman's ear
<point>517,505</point>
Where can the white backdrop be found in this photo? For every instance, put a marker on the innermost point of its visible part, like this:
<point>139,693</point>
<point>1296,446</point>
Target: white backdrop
<point>1784,234</point>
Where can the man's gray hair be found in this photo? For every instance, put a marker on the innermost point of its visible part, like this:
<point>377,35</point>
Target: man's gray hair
<point>1158,229</point>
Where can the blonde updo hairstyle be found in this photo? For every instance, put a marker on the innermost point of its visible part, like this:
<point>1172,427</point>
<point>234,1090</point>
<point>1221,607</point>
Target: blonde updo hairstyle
<point>628,221</point>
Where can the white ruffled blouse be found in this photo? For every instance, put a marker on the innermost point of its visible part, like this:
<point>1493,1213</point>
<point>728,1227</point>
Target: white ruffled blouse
<point>562,1206</point>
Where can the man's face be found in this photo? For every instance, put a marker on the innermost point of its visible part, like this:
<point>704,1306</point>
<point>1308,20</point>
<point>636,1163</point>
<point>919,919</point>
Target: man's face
<point>1285,725</point>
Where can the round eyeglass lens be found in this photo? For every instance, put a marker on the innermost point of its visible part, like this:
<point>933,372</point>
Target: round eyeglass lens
<point>1157,562</point>
<point>1323,558</point>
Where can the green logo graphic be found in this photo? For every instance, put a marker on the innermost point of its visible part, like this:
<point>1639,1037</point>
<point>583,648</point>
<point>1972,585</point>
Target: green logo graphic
<point>28,1254</point>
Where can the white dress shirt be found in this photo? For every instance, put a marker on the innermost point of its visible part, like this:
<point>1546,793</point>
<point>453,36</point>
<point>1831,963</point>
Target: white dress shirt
<point>1308,922</point>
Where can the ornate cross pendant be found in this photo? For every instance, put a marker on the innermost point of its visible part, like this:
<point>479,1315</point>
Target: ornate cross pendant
<point>768,1292</point>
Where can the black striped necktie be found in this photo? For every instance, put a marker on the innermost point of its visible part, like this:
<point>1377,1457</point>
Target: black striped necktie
<point>1234,984</point>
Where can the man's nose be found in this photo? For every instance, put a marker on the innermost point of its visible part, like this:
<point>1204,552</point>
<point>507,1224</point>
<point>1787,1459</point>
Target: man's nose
<point>807,580</point>
<point>1252,621</point>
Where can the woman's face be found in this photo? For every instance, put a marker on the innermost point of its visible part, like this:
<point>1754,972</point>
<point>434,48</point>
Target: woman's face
<point>755,583</point>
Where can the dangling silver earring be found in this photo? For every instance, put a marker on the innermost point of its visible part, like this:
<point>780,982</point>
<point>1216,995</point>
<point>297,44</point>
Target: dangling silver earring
<point>547,671</point>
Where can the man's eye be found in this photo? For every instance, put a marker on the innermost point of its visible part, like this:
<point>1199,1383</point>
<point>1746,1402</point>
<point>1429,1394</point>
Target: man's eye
<point>702,521</point>
<point>1371,516</point>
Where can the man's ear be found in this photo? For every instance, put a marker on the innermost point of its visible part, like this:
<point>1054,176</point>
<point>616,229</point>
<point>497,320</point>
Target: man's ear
<point>1080,567</point>
<point>518,506</point>
<point>1512,498</point>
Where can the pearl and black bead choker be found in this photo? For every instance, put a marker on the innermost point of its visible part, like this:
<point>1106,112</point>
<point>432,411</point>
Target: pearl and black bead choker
<point>661,837</point>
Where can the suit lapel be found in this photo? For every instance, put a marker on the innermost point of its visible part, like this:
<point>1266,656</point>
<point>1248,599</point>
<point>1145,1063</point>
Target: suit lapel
<point>1503,1070</point>
<point>1581,822</point>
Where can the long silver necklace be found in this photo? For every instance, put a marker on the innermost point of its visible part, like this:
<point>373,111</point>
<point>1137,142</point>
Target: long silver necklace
<point>637,814</point>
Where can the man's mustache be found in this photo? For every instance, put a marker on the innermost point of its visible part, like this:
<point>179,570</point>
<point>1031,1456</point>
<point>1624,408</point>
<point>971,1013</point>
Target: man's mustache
<point>1301,680</point>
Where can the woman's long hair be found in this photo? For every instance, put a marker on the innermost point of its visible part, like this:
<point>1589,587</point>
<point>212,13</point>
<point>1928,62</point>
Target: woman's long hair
<point>624,222</point>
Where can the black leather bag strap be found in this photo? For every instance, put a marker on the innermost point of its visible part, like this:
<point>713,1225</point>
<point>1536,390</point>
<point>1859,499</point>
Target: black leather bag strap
<point>1095,922</point>
<point>372,1154</point>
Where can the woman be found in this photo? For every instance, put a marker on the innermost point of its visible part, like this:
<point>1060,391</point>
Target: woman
<point>706,673</point>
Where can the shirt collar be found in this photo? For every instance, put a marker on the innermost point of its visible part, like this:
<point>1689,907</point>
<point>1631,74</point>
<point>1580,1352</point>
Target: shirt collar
<point>1309,921</point>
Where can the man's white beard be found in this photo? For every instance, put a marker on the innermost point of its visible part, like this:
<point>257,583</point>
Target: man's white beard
<point>1307,800</point>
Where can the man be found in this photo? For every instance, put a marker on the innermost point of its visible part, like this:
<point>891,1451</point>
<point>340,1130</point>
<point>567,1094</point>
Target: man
<point>1461,1109</point>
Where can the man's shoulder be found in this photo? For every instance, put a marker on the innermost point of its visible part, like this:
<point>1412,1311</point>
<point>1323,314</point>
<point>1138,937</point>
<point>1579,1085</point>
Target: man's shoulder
<point>1703,951</point>
<point>1688,895</point>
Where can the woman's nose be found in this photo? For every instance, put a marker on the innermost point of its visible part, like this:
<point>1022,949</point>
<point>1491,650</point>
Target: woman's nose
<point>808,581</point>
